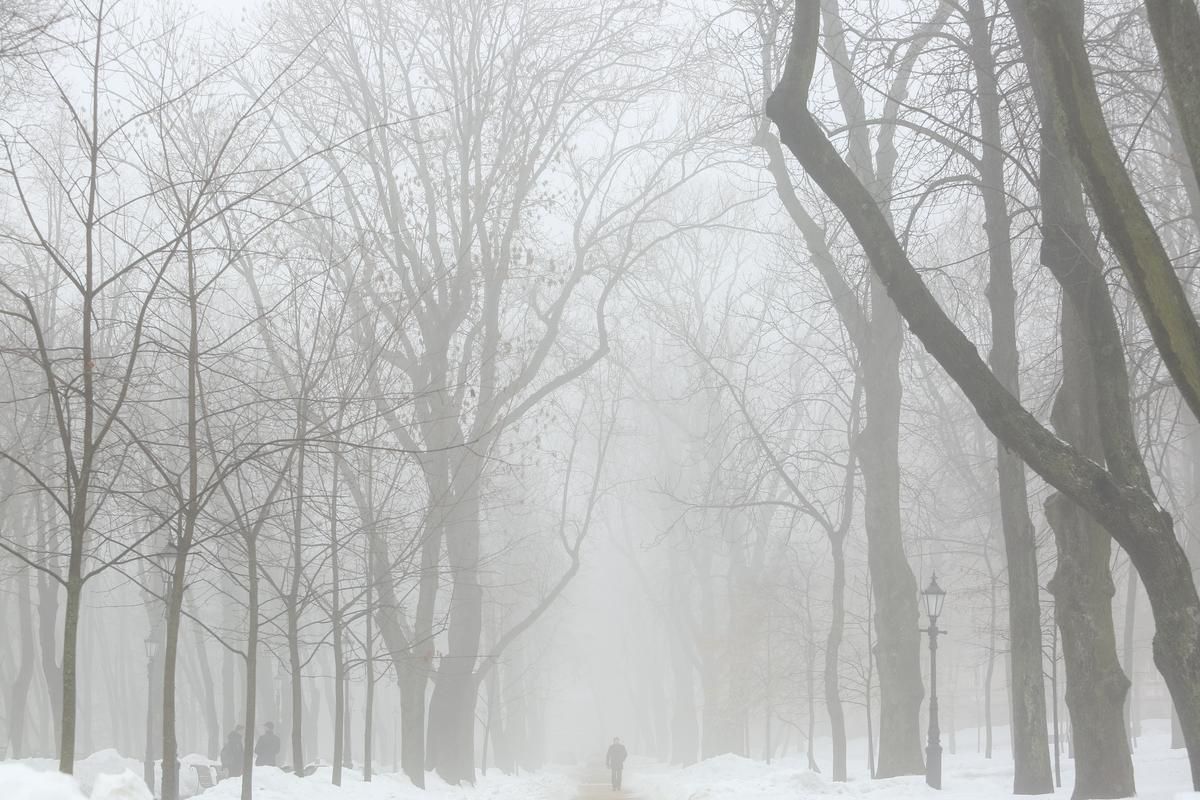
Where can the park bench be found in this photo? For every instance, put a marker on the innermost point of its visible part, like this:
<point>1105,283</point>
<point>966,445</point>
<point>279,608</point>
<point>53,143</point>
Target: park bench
<point>204,775</point>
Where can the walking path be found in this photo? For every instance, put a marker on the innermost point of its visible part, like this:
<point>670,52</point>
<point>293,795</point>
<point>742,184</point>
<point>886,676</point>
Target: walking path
<point>595,784</point>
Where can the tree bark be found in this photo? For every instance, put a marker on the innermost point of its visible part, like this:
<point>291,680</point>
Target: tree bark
<point>208,698</point>
<point>1175,25</point>
<point>451,739</point>
<point>833,643</point>
<point>1130,661</point>
<point>897,626</point>
<point>1123,218</point>
<point>292,601</point>
<point>1031,752</point>
<point>19,692</point>
<point>1083,590</point>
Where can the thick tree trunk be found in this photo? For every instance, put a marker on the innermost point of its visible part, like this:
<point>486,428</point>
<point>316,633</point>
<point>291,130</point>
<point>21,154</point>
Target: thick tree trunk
<point>1126,224</point>
<point>452,706</point>
<point>897,626</point>
<point>1031,752</point>
<point>1083,589</point>
<point>1096,685</point>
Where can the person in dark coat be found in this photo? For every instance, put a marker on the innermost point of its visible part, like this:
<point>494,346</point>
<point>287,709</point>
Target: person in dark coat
<point>232,754</point>
<point>615,760</point>
<point>267,748</point>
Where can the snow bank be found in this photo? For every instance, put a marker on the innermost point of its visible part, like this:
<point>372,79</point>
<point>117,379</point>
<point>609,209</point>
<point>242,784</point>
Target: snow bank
<point>39,781</point>
<point>1161,774</point>
<point>87,770</point>
<point>22,782</point>
<point>126,786</point>
<point>271,783</point>
<point>729,776</point>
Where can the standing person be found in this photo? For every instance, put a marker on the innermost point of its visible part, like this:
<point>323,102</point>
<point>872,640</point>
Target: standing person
<point>615,760</point>
<point>232,753</point>
<point>267,748</point>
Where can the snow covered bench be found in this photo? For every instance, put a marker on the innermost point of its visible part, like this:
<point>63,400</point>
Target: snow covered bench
<point>204,776</point>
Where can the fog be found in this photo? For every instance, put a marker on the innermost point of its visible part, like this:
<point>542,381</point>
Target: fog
<point>411,398</point>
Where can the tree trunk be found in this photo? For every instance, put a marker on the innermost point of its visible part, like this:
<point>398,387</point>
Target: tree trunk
<point>47,612</point>
<point>1123,497</point>
<point>1175,26</point>
<point>19,692</point>
<point>1082,584</point>
<point>295,667</point>
<point>251,667</point>
<point>208,697</point>
<point>70,638</point>
<point>989,671</point>
<point>1126,224</point>
<point>897,649</point>
<point>1130,661</point>
<point>452,705</point>
<point>1031,752</point>
<point>369,700</point>
<point>833,642</point>
<point>229,670</point>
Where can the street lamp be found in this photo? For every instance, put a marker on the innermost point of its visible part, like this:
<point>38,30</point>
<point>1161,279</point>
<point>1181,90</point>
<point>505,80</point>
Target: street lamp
<point>165,560</point>
<point>933,597</point>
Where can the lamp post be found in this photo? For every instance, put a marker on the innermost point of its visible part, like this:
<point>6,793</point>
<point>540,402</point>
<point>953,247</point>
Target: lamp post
<point>933,597</point>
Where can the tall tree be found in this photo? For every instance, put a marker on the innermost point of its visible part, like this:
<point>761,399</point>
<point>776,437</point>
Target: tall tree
<point>1121,496</point>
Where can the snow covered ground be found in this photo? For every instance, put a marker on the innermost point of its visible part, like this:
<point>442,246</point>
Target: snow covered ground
<point>109,776</point>
<point>1161,773</point>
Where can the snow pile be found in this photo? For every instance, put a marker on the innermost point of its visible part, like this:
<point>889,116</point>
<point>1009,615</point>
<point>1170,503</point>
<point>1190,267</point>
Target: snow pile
<point>126,786</point>
<point>109,776</point>
<point>1161,774</point>
<point>21,782</point>
<point>729,776</point>
<point>272,783</point>
<point>87,770</point>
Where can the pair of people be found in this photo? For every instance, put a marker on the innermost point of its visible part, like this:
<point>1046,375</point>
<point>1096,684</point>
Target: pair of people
<point>266,750</point>
<point>615,760</point>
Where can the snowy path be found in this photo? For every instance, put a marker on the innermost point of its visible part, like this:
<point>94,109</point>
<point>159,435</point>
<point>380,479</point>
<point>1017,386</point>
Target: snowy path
<point>595,785</point>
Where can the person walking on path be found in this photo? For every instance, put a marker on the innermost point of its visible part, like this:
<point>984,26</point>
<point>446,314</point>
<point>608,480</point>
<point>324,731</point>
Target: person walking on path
<point>267,748</point>
<point>231,753</point>
<point>615,760</point>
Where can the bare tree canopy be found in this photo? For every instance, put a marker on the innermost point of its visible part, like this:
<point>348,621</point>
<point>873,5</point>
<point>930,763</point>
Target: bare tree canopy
<point>429,397</point>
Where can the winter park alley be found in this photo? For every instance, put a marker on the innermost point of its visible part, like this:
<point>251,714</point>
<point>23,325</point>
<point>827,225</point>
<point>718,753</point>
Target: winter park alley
<point>514,399</point>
